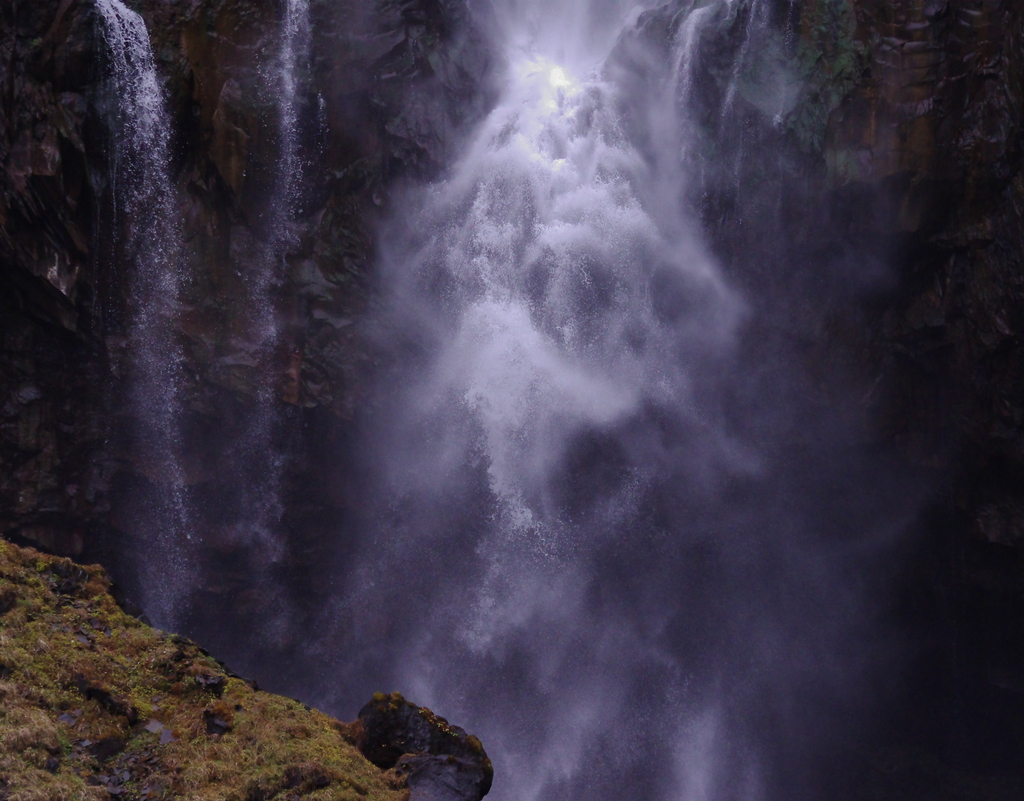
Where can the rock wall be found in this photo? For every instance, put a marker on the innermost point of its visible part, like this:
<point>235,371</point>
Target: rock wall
<point>56,472</point>
<point>389,89</point>
<point>893,194</point>
<point>937,121</point>
<point>869,154</point>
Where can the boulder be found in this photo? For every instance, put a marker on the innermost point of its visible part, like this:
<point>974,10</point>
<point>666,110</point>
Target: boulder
<point>441,762</point>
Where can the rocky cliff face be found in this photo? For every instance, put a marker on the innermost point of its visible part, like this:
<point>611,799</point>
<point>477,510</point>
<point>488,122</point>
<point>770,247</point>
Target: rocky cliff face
<point>56,473</point>
<point>893,196</point>
<point>877,148</point>
<point>386,94</point>
<point>936,123</point>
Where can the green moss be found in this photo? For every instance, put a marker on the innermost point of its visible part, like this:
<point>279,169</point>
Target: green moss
<point>828,62</point>
<point>89,694</point>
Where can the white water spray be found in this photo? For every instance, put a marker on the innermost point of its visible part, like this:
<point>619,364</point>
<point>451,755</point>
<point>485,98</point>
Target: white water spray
<point>599,533</point>
<point>295,52</point>
<point>563,309</point>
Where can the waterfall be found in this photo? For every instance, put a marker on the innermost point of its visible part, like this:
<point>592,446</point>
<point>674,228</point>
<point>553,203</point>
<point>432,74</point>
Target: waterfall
<point>146,216</point>
<point>257,457</point>
<point>605,527</point>
<point>284,84</point>
<point>147,221</point>
<point>292,60</point>
<point>295,51</point>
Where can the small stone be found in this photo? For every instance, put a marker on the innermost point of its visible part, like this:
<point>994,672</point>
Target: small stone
<point>107,747</point>
<point>212,682</point>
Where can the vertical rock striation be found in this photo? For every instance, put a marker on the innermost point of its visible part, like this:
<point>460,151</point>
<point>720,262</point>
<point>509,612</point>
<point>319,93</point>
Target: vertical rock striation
<point>56,470</point>
<point>876,143</point>
<point>385,94</point>
<point>937,123</point>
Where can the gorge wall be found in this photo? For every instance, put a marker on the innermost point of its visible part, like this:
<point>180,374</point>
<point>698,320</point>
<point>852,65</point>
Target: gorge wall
<point>75,483</point>
<point>895,133</point>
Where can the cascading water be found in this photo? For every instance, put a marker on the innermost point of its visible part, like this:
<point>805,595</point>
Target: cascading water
<point>254,524</point>
<point>176,532</point>
<point>612,536</point>
<point>145,215</point>
<point>295,51</point>
<point>263,471</point>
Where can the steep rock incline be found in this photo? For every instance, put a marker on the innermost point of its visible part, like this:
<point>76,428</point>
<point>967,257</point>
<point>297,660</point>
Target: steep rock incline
<point>96,704</point>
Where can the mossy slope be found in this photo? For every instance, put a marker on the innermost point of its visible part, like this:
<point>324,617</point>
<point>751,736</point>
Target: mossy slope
<point>94,704</point>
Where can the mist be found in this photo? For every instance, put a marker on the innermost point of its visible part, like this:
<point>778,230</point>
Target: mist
<point>612,518</point>
<point>637,386</point>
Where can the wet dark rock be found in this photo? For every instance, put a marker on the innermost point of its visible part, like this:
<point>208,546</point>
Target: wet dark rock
<point>51,429</point>
<point>442,762</point>
<point>215,683</point>
<point>114,704</point>
<point>436,777</point>
<point>215,723</point>
<point>439,75</point>
<point>106,748</point>
<point>68,578</point>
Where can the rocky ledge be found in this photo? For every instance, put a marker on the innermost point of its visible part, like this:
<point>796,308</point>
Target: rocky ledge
<point>95,704</point>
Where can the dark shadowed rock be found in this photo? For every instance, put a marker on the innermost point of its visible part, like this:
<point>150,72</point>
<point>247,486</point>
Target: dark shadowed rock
<point>441,761</point>
<point>434,777</point>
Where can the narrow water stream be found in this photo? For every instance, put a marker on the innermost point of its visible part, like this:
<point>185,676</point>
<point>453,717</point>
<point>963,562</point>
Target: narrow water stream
<point>146,217</point>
